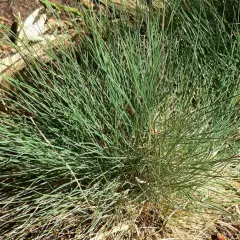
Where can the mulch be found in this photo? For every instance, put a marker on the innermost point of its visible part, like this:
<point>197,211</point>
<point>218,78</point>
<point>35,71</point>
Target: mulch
<point>10,10</point>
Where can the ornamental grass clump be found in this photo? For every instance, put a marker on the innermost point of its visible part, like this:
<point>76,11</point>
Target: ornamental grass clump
<point>149,112</point>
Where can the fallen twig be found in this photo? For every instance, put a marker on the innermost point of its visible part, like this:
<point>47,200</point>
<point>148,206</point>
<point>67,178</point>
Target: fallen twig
<point>13,64</point>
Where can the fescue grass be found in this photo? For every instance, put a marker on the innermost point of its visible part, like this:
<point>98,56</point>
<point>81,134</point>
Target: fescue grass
<point>149,112</point>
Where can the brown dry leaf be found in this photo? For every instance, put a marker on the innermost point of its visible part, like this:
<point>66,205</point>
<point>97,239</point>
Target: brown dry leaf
<point>87,3</point>
<point>220,237</point>
<point>130,110</point>
<point>54,23</point>
<point>129,5</point>
<point>6,50</point>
